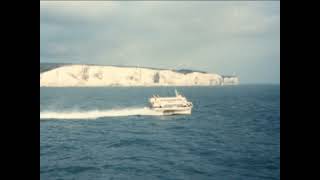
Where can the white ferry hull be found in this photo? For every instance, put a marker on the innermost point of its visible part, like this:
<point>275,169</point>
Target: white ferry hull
<point>178,111</point>
<point>171,105</point>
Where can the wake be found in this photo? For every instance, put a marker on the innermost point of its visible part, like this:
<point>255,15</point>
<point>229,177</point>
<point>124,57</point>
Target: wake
<point>98,113</point>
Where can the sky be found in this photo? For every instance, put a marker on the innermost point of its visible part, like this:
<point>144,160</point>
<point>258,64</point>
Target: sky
<point>229,38</point>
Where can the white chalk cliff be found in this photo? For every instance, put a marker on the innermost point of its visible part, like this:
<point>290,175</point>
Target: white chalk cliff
<point>94,75</point>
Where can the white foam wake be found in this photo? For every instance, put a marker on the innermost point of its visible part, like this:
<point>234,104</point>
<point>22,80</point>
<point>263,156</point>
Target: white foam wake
<point>98,113</point>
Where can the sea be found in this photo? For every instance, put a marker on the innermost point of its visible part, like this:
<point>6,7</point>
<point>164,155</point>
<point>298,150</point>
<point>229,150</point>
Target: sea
<point>106,133</point>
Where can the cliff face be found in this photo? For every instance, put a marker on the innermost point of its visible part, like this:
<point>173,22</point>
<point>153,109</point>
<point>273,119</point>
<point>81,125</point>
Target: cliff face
<point>91,75</point>
<point>230,80</point>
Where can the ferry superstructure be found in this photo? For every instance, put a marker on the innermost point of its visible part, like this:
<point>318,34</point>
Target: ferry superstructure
<point>171,105</point>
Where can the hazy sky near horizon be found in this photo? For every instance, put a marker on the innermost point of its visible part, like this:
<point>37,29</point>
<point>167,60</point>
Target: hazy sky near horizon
<point>219,37</point>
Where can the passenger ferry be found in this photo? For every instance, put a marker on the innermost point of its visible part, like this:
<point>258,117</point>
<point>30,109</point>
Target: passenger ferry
<point>171,105</point>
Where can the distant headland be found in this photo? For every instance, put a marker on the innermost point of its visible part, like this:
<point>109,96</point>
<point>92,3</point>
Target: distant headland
<point>90,75</point>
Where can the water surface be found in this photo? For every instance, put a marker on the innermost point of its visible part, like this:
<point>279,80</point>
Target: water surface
<point>233,133</point>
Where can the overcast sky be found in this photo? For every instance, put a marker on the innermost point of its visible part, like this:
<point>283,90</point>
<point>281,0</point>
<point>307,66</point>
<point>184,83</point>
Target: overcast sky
<point>214,36</point>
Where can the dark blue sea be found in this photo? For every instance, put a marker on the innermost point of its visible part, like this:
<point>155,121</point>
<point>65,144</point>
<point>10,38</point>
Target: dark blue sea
<point>106,133</point>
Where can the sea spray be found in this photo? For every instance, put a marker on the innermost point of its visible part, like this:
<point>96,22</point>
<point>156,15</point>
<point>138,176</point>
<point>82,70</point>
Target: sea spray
<point>94,114</point>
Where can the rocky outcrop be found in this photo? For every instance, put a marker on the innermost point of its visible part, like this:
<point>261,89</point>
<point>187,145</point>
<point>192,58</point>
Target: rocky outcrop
<point>94,75</point>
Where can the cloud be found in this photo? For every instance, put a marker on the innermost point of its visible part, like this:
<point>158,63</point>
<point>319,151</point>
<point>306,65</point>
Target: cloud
<point>211,36</point>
